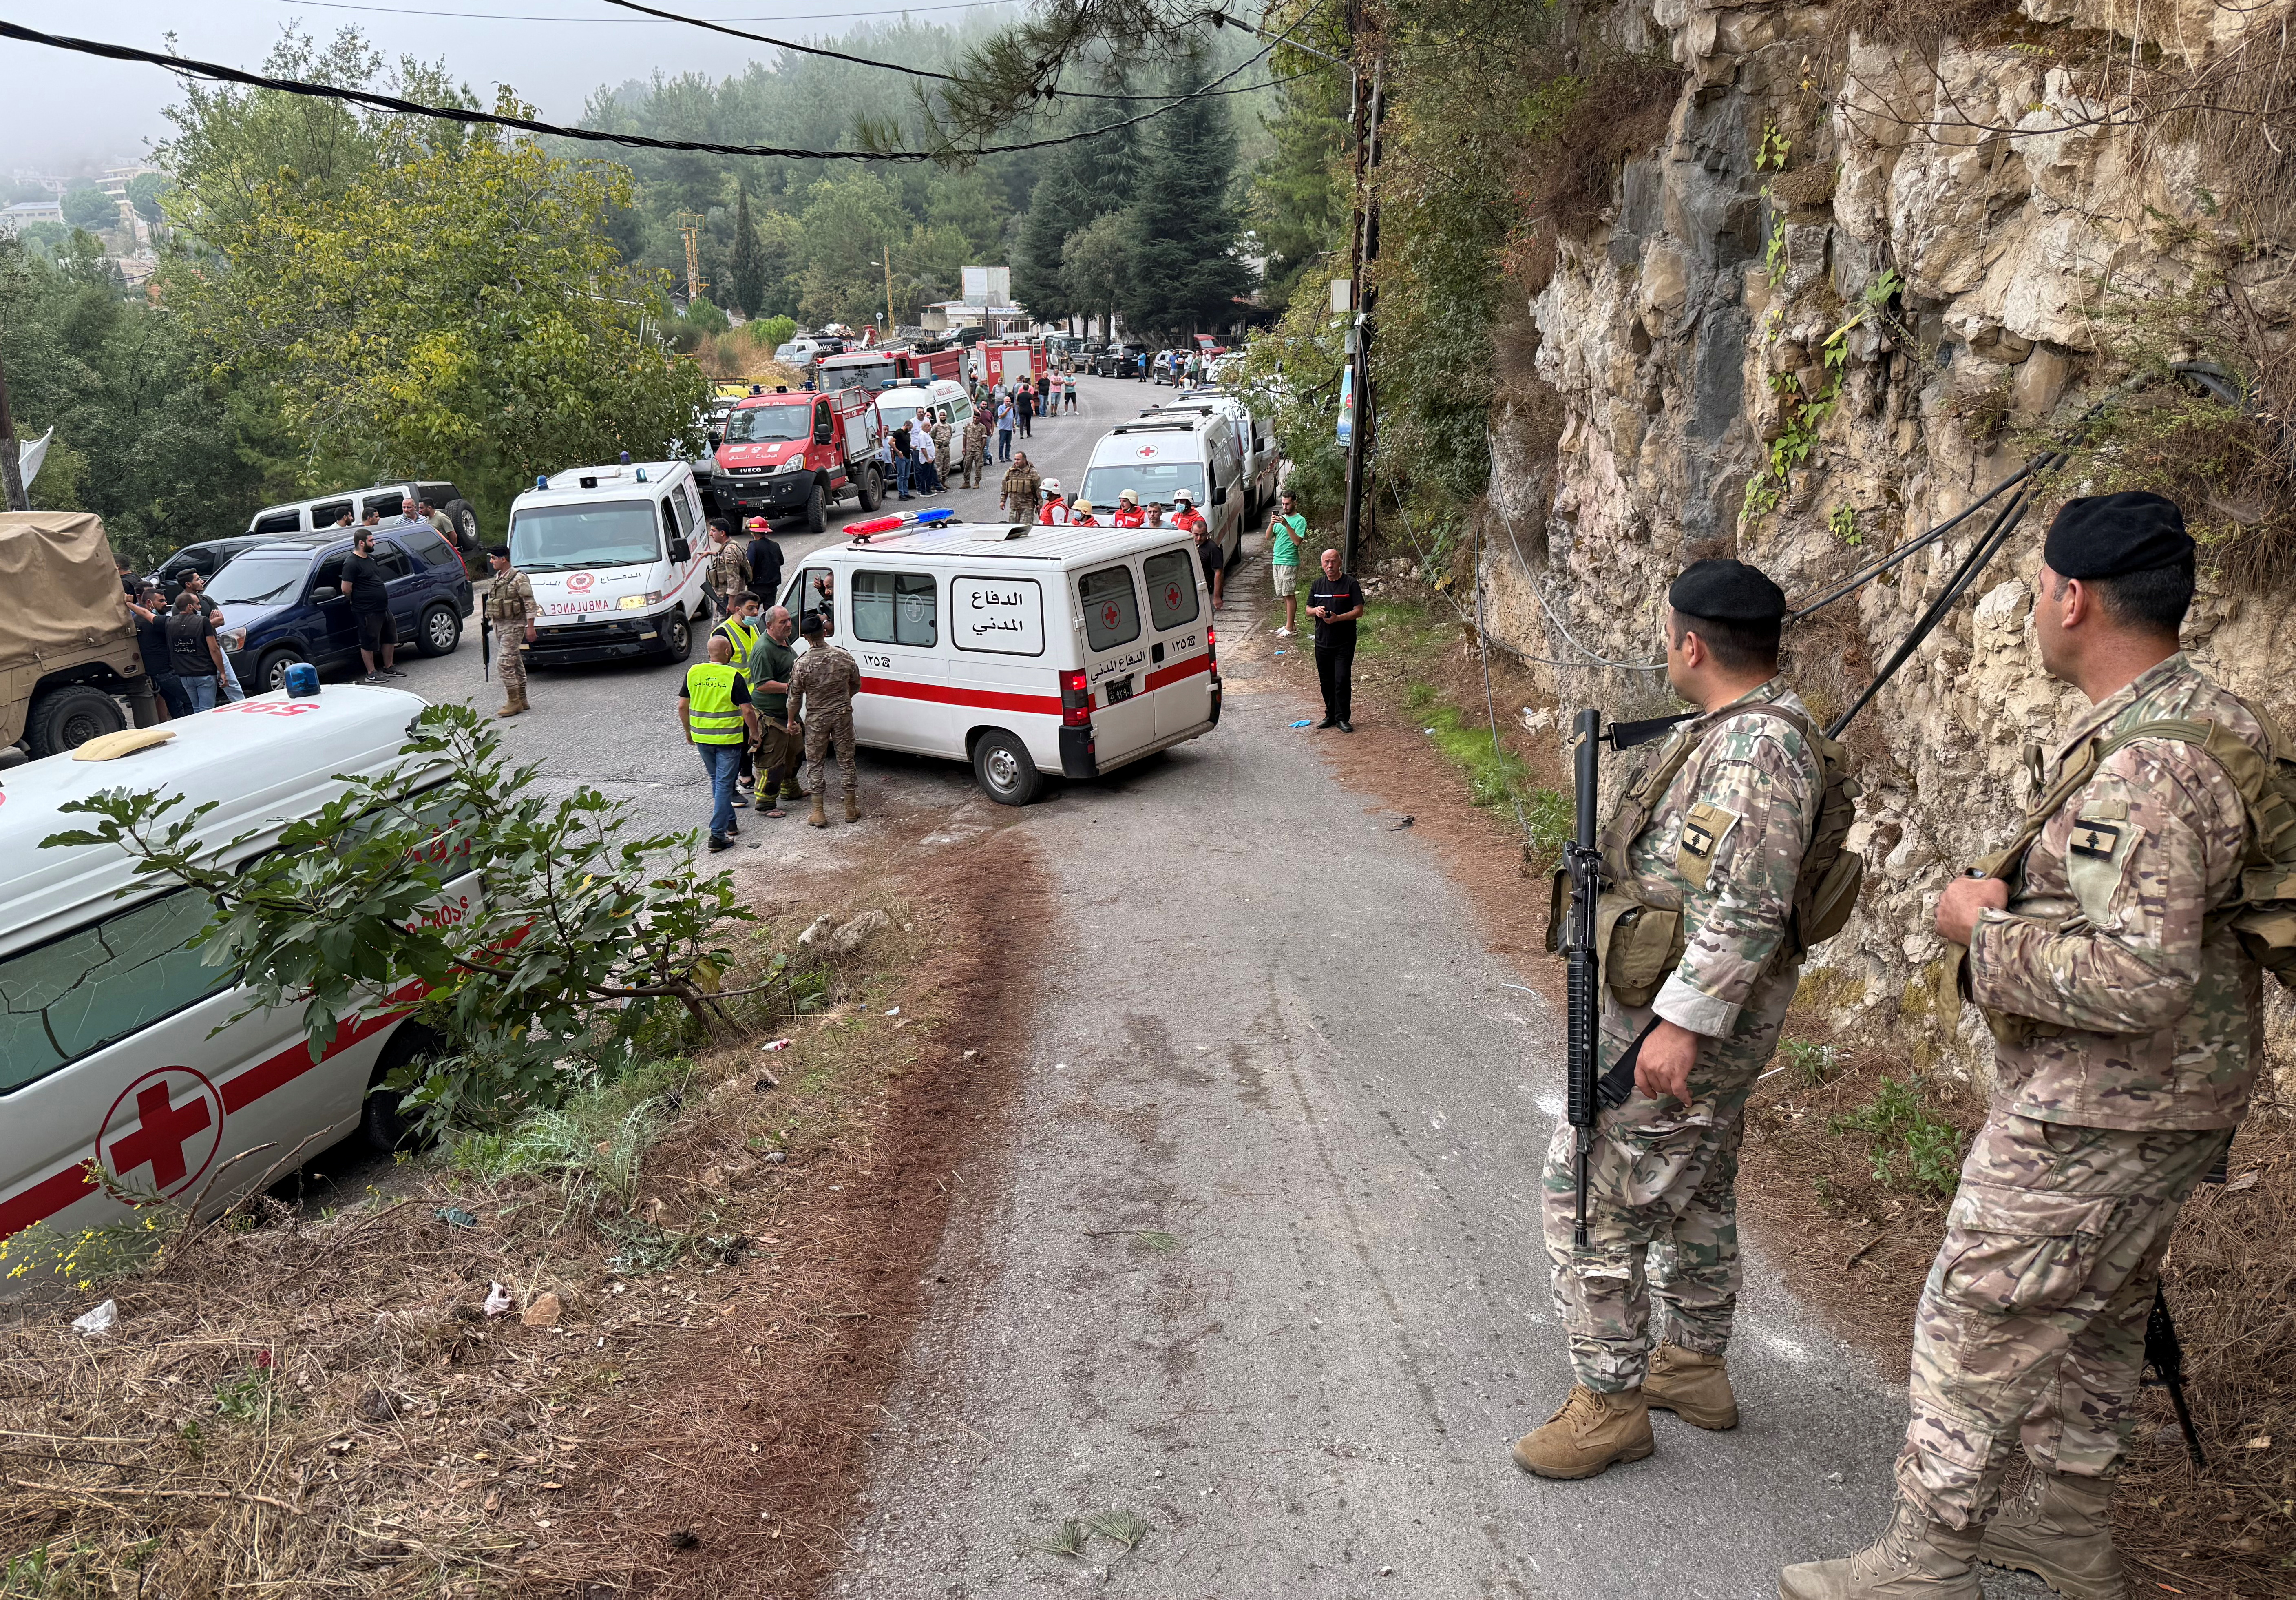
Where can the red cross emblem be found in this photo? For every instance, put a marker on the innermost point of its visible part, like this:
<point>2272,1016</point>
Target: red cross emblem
<point>1145,451</point>
<point>1172,598</point>
<point>1110,616</point>
<point>581,582</point>
<point>170,1120</point>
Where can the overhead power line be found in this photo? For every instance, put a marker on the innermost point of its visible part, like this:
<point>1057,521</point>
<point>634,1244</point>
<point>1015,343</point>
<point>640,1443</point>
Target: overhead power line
<point>491,16</point>
<point>188,67</point>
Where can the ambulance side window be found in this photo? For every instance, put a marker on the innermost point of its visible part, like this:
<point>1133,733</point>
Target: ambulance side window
<point>813,589</point>
<point>897,608</point>
<point>1171,576</point>
<point>74,994</point>
<point>1111,608</point>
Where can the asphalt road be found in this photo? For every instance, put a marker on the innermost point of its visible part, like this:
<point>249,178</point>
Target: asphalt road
<point>614,725</point>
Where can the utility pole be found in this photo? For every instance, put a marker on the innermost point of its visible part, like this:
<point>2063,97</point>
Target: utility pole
<point>1362,300</point>
<point>889,324</point>
<point>11,462</point>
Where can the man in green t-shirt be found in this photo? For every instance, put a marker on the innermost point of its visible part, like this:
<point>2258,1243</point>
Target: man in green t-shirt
<point>1287,531</point>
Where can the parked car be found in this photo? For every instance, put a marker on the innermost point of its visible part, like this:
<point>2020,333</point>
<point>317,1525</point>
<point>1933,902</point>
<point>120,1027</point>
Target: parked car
<point>281,603</point>
<point>205,558</point>
<point>325,511</point>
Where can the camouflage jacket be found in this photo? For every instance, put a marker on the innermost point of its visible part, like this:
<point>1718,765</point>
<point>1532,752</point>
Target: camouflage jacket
<point>729,570</point>
<point>940,437</point>
<point>1724,847</point>
<point>510,598</point>
<point>825,681</point>
<point>1019,488</point>
<point>2148,1018</point>
<point>976,438</point>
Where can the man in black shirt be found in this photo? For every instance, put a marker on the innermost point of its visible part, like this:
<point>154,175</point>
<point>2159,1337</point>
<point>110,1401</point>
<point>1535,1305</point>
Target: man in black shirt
<point>150,611</point>
<point>198,658</point>
<point>766,562</point>
<point>1208,548</point>
<point>368,586</point>
<point>1335,603</point>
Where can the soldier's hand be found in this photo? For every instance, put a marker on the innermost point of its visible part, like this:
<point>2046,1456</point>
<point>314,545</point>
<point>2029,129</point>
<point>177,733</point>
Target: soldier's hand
<point>1964,898</point>
<point>1663,1067</point>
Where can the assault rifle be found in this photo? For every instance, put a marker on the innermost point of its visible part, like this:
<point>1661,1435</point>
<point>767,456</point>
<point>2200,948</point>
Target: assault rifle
<point>486,646</point>
<point>1590,1089</point>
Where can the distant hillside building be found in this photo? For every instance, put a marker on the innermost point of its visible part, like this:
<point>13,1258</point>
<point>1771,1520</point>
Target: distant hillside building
<point>15,218</point>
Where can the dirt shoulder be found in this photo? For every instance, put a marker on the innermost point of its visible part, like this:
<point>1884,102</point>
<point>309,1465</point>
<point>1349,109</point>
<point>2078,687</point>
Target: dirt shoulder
<point>677,1401</point>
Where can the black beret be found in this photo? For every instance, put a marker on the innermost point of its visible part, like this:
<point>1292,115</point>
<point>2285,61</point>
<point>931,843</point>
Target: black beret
<point>1726,591</point>
<point>811,627</point>
<point>500,550</point>
<point>2105,536</point>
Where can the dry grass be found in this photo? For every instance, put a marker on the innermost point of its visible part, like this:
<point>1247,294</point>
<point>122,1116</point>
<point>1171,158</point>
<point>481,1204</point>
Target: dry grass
<point>309,1406</point>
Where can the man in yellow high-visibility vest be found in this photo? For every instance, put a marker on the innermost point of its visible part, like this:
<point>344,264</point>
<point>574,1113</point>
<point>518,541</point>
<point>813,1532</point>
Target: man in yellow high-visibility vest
<point>714,709</point>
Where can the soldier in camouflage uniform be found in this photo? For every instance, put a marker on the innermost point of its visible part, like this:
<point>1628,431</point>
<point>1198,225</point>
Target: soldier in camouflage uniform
<point>728,574</point>
<point>825,681</point>
<point>1021,489</point>
<point>976,447</point>
<point>1724,847</point>
<point>2127,1027</point>
<point>510,613</point>
<point>944,463</point>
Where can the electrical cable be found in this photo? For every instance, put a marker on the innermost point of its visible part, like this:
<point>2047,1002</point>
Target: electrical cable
<point>188,67</point>
<point>1048,94</point>
<point>492,16</point>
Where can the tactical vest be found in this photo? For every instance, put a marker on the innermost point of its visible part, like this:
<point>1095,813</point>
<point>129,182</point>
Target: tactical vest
<point>710,709</point>
<point>2260,910</point>
<point>1641,944</point>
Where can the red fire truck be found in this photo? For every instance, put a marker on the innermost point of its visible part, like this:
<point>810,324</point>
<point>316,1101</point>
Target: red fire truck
<point>1001,363</point>
<point>871,370</point>
<point>790,453</point>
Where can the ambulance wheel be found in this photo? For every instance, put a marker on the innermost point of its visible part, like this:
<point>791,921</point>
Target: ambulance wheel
<point>1002,768</point>
<point>872,492</point>
<point>676,636</point>
<point>817,510</point>
<point>383,1126</point>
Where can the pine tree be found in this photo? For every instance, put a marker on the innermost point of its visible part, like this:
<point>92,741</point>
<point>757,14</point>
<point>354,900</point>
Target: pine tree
<point>1186,273</point>
<point>1083,182</point>
<point>747,270</point>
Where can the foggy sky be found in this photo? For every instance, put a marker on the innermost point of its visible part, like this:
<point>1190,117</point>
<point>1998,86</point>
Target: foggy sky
<point>60,111</point>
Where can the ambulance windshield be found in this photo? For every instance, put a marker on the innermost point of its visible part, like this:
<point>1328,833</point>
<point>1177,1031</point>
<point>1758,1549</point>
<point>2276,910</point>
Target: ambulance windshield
<point>560,538</point>
<point>1153,482</point>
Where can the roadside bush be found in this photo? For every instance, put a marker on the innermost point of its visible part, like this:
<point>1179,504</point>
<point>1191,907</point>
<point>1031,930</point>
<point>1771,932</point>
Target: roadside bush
<point>550,978</point>
<point>1911,1146</point>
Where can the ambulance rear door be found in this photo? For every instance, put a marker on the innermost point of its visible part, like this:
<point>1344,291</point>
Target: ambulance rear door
<point>1115,658</point>
<point>893,629</point>
<point>1180,681</point>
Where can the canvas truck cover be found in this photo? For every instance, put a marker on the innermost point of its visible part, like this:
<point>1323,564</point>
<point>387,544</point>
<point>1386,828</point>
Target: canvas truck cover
<point>63,585</point>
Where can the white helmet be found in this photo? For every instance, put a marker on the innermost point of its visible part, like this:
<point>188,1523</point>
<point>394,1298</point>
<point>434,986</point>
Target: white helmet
<point>1184,497</point>
<point>1050,486</point>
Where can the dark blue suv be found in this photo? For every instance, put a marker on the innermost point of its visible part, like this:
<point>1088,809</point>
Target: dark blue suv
<point>281,605</point>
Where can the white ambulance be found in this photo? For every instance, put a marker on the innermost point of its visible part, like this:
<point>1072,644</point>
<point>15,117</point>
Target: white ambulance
<point>617,556</point>
<point>110,1051</point>
<point>1022,648</point>
<point>1158,456</point>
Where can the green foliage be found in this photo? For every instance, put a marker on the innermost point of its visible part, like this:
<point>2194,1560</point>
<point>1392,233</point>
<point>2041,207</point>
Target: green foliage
<point>1811,1064</point>
<point>1843,520</point>
<point>1096,264</point>
<point>1909,1146</point>
<point>546,978</point>
<point>91,208</point>
<point>746,268</point>
<point>145,438</point>
<point>1298,201</point>
<point>594,1144</point>
<point>147,193</point>
<point>775,332</point>
<point>1185,272</point>
<point>251,1396</point>
<point>1770,155</point>
<point>1804,416</point>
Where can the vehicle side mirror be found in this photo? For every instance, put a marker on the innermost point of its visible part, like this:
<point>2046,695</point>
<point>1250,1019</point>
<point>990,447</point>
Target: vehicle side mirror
<point>680,551</point>
<point>1220,495</point>
<point>822,433</point>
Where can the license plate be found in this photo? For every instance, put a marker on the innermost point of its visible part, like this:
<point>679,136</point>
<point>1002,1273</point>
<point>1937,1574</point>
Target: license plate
<point>1118,689</point>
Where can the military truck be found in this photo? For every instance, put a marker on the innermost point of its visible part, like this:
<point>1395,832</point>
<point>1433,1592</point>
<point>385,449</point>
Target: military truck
<point>68,649</point>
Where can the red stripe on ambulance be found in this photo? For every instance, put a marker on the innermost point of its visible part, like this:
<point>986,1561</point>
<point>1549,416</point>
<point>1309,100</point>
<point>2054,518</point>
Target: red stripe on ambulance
<point>1177,670</point>
<point>1043,705</point>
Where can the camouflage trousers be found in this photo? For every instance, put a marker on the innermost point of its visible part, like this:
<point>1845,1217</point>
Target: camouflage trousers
<point>1662,1206</point>
<point>823,730</point>
<point>2032,1323</point>
<point>509,665</point>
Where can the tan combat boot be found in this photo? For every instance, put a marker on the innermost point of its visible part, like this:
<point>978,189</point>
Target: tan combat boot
<point>1591,1431</point>
<point>1695,1388</point>
<point>2060,1530</point>
<point>852,803</point>
<point>820,818</point>
<point>1915,1559</point>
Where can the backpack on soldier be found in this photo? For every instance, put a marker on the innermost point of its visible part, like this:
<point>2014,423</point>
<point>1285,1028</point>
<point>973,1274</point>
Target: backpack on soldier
<point>1641,944</point>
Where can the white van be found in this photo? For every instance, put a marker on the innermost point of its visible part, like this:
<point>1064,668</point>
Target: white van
<point>1255,442</point>
<point>616,557</point>
<point>927,399</point>
<point>1159,455</point>
<point>1022,648</point>
<point>109,1051</point>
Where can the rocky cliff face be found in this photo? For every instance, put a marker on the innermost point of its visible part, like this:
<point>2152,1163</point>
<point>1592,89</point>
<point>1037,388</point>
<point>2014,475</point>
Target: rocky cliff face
<point>1812,327</point>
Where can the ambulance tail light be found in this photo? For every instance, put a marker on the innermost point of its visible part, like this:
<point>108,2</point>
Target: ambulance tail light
<point>1076,701</point>
<point>1211,650</point>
